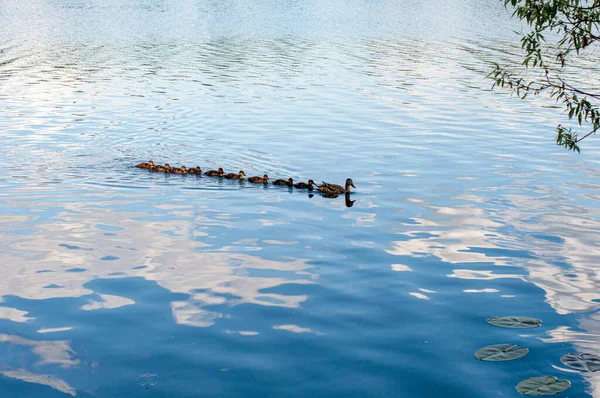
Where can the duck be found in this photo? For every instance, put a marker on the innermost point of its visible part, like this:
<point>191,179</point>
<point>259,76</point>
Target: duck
<point>259,180</point>
<point>146,165</point>
<point>289,182</point>
<point>194,170</point>
<point>159,168</point>
<point>334,189</point>
<point>303,185</point>
<point>179,170</point>
<point>215,173</point>
<point>234,176</point>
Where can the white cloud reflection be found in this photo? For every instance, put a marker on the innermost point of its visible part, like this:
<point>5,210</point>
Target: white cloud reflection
<point>14,315</point>
<point>293,328</point>
<point>54,352</point>
<point>59,254</point>
<point>44,379</point>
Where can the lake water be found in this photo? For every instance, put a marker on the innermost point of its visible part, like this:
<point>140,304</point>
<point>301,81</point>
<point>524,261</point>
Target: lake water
<point>117,282</point>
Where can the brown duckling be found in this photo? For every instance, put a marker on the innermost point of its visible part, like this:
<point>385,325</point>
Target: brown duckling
<point>179,170</point>
<point>215,173</point>
<point>289,182</point>
<point>303,185</point>
<point>259,180</point>
<point>159,168</point>
<point>194,170</point>
<point>234,176</point>
<point>146,165</point>
<point>334,189</point>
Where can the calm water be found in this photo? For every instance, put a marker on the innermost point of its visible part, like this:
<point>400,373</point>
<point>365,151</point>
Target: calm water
<point>117,282</point>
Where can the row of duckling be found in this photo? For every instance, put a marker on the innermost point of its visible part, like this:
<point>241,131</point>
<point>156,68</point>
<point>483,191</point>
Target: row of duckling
<point>326,188</point>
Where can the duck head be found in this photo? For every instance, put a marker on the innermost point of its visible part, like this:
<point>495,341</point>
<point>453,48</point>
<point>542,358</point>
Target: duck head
<point>167,166</point>
<point>151,163</point>
<point>311,183</point>
<point>221,170</point>
<point>183,168</point>
<point>349,183</point>
<point>290,181</point>
<point>266,177</point>
<point>241,174</point>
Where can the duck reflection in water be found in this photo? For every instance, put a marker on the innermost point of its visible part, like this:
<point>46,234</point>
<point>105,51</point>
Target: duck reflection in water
<point>349,203</point>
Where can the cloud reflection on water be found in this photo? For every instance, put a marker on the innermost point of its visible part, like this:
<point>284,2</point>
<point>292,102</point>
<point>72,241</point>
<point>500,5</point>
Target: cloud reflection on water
<point>51,352</point>
<point>407,108</point>
<point>44,379</point>
<point>155,250</point>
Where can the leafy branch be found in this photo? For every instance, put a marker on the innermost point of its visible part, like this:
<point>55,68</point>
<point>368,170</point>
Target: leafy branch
<point>574,26</point>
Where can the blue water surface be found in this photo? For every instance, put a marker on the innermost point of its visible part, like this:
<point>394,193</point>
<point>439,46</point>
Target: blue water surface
<point>118,282</point>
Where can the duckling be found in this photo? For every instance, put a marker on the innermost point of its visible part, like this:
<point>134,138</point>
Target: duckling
<point>234,176</point>
<point>289,182</point>
<point>194,170</point>
<point>146,165</point>
<point>179,170</point>
<point>259,180</point>
<point>303,185</point>
<point>334,189</point>
<point>215,173</point>
<point>159,168</point>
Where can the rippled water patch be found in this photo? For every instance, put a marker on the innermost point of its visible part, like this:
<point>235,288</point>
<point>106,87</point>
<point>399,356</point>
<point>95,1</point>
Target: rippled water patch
<point>120,283</point>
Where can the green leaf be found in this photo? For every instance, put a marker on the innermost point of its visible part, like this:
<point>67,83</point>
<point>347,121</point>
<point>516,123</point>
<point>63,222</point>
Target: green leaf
<point>500,352</point>
<point>584,362</point>
<point>545,385</point>
<point>515,322</point>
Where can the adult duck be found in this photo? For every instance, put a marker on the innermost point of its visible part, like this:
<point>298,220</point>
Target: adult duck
<point>259,180</point>
<point>165,169</point>
<point>303,185</point>
<point>146,165</point>
<point>179,170</point>
<point>215,173</point>
<point>334,189</point>
<point>289,182</point>
<point>236,176</point>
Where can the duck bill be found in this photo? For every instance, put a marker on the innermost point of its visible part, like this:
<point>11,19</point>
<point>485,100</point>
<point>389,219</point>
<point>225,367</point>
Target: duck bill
<point>353,186</point>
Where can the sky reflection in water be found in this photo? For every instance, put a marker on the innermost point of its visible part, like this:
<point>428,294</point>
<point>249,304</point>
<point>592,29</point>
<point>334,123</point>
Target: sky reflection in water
<point>118,282</point>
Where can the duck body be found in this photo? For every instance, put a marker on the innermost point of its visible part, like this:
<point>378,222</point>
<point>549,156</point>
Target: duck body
<point>215,173</point>
<point>334,189</point>
<point>194,170</point>
<point>179,170</point>
<point>259,180</point>
<point>289,182</point>
<point>164,169</point>
<point>304,185</point>
<point>146,165</point>
<point>236,176</point>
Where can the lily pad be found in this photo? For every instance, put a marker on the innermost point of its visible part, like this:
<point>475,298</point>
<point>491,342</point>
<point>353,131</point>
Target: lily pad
<point>545,385</point>
<point>514,322</point>
<point>583,362</point>
<point>501,352</point>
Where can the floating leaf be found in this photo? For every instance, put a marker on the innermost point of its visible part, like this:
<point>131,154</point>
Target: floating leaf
<point>545,385</point>
<point>583,362</point>
<point>514,322</point>
<point>500,352</point>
